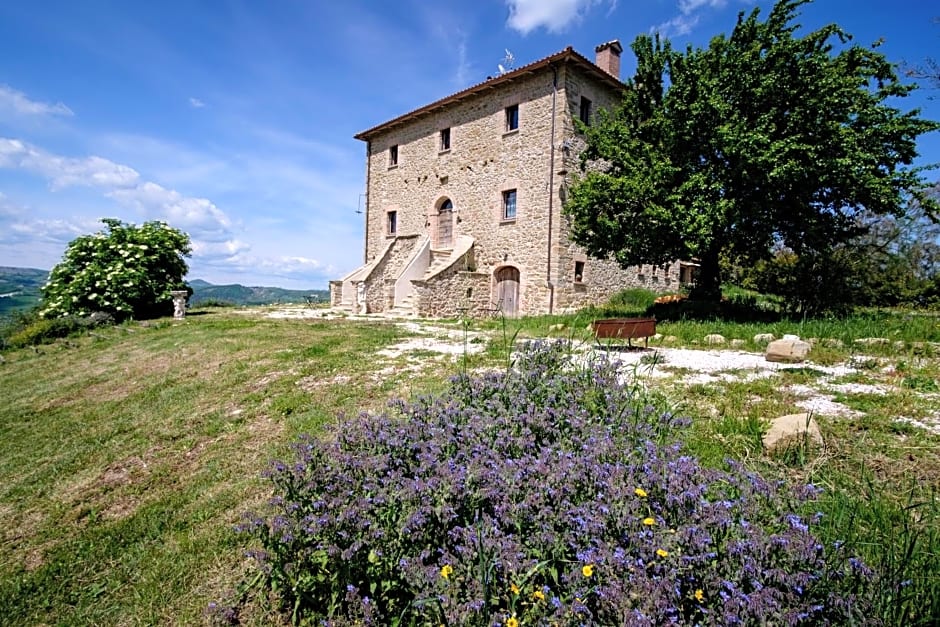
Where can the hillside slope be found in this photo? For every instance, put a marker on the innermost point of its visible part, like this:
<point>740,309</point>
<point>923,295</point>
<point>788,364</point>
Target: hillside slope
<point>19,291</point>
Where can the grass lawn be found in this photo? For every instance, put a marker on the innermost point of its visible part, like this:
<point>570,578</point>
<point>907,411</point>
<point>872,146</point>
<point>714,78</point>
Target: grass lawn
<point>127,455</point>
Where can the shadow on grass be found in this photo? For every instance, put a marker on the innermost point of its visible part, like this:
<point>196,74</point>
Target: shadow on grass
<point>623,348</point>
<point>729,310</point>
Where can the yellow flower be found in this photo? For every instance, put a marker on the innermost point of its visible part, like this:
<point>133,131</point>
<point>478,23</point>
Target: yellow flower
<point>699,595</point>
<point>640,492</point>
<point>512,622</point>
<point>662,553</point>
<point>538,595</point>
<point>514,588</point>
<point>649,522</point>
<point>587,570</point>
<point>446,571</point>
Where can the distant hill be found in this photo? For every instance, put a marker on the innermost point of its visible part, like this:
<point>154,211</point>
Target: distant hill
<point>19,291</point>
<point>19,288</point>
<point>236,294</point>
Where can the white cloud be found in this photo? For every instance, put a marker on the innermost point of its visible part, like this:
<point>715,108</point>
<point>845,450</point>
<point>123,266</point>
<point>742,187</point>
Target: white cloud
<point>186,212</point>
<point>19,103</point>
<point>462,74</point>
<point>196,103</point>
<point>554,15</point>
<point>689,15</point>
<point>65,171</point>
<point>229,261</point>
<point>679,25</point>
<point>200,216</point>
<point>21,226</point>
<point>690,6</point>
<point>55,231</point>
<point>216,251</point>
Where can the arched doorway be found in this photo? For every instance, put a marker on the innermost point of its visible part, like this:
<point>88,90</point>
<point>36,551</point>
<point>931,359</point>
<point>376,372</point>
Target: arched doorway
<point>445,224</point>
<point>507,290</point>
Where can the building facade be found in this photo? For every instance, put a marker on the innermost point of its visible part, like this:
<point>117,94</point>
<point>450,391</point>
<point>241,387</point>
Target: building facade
<point>464,200</point>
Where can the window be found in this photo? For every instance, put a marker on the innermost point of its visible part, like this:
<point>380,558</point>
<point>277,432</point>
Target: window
<point>512,118</point>
<point>393,156</point>
<point>509,204</point>
<point>445,139</point>
<point>578,271</point>
<point>585,114</point>
<point>392,222</point>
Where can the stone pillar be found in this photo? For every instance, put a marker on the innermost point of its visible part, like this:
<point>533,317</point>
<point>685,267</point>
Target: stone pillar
<point>179,303</point>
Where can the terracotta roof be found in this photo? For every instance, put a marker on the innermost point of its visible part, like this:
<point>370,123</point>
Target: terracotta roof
<point>568,55</point>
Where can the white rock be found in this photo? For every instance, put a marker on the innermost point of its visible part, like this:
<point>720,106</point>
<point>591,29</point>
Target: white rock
<point>792,431</point>
<point>764,338</point>
<point>787,351</point>
<point>715,338</point>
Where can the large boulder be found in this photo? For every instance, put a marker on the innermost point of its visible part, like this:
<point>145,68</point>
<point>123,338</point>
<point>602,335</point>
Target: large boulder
<point>787,351</point>
<point>792,431</point>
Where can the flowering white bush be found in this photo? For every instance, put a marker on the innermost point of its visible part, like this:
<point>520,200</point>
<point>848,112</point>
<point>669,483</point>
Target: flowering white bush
<point>125,270</point>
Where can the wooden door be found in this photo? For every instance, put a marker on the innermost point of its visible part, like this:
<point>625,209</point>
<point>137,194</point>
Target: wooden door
<point>445,225</point>
<point>507,290</point>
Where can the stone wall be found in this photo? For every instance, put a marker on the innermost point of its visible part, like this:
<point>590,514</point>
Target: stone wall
<point>454,293</point>
<point>336,293</point>
<point>387,270</point>
<point>483,161</point>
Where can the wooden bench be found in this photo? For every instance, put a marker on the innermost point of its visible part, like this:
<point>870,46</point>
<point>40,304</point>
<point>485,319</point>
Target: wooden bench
<point>624,328</point>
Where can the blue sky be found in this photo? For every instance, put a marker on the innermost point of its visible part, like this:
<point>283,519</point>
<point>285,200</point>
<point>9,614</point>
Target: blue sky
<point>234,119</point>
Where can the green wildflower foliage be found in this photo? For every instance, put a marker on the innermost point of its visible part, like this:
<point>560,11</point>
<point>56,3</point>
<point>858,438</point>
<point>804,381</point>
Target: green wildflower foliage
<point>125,270</point>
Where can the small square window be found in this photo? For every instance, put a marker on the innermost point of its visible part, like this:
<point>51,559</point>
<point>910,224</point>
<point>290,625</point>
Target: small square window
<point>585,114</point>
<point>578,271</point>
<point>393,156</point>
<point>509,204</point>
<point>512,118</point>
<point>445,139</point>
<point>391,222</point>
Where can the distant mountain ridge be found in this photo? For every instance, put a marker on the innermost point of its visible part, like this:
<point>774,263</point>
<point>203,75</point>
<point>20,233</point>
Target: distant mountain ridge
<point>238,294</point>
<point>20,291</point>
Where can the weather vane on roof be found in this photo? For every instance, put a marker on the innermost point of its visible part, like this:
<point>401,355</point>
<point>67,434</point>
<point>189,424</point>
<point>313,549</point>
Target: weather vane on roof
<point>506,65</point>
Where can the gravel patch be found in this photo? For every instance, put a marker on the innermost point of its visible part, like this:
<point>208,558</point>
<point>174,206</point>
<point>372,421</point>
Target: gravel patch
<point>930,423</point>
<point>859,388</point>
<point>713,365</point>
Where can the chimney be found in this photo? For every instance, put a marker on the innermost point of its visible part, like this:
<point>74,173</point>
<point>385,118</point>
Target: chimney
<point>608,57</point>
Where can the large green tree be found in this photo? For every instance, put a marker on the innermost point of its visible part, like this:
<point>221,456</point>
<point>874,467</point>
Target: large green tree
<point>125,270</point>
<point>766,138</point>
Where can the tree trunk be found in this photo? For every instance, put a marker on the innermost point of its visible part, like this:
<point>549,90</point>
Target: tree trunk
<point>707,285</point>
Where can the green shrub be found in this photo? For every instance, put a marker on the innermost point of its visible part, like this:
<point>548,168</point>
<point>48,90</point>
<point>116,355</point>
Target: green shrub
<point>31,330</point>
<point>633,298</point>
<point>127,271</point>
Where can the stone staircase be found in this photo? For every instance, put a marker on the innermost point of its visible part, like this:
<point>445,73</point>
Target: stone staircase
<point>440,259</point>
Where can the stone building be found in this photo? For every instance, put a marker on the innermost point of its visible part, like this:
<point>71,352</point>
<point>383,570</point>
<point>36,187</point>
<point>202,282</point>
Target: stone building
<point>464,199</point>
